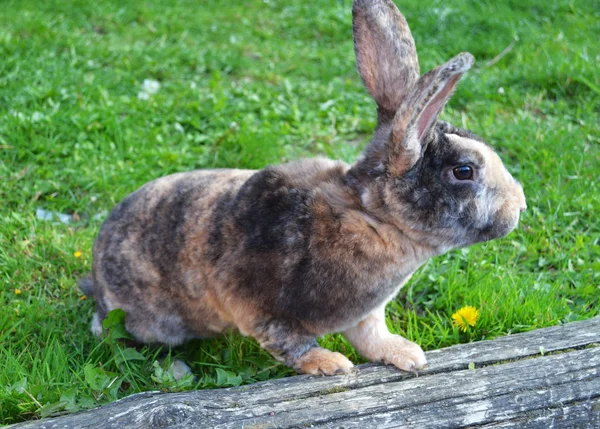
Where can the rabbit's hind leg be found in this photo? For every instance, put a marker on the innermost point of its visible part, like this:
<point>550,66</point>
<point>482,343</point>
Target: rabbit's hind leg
<point>161,327</point>
<point>148,319</point>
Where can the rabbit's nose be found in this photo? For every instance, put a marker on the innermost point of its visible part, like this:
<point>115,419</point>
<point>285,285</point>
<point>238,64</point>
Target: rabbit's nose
<point>523,208</point>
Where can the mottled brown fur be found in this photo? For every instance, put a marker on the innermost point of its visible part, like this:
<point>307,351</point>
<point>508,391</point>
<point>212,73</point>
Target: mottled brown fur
<point>292,252</point>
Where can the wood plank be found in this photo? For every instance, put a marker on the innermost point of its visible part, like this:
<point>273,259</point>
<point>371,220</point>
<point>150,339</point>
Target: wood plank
<point>513,385</point>
<point>577,415</point>
<point>468,398</point>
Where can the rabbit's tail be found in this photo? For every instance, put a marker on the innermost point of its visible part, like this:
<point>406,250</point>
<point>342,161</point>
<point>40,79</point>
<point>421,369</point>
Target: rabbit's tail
<point>86,285</point>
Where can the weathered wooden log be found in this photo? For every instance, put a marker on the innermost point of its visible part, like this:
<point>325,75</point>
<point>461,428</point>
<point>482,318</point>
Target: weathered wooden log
<point>540,379</point>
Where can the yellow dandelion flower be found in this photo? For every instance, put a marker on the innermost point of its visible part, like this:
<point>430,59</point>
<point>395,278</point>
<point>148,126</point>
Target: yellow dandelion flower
<point>82,297</point>
<point>467,315</point>
<point>77,254</point>
<point>17,291</point>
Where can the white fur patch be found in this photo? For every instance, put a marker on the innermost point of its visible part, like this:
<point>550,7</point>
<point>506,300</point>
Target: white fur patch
<point>96,325</point>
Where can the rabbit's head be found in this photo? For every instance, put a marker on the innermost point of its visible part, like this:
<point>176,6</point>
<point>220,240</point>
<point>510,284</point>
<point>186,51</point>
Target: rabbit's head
<point>441,185</point>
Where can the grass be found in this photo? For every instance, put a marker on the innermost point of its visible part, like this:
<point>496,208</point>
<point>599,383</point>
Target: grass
<point>245,84</point>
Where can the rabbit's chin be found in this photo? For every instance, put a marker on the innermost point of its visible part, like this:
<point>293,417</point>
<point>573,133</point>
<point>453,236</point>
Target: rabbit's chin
<point>496,230</point>
<point>474,235</point>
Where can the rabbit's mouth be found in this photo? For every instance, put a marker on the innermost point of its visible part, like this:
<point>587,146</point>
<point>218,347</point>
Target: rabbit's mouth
<point>497,229</point>
<point>505,218</point>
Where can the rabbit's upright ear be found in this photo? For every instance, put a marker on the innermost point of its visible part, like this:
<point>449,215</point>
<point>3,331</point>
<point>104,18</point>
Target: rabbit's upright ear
<point>386,57</point>
<point>415,119</point>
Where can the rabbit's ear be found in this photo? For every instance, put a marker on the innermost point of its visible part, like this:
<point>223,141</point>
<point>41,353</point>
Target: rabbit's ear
<point>414,122</point>
<point>386,57</point>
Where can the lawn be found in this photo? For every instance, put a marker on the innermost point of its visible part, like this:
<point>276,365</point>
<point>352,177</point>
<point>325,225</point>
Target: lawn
<point>246,84</point>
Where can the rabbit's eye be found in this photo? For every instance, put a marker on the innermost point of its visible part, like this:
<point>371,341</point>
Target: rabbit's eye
<point>463,172</point>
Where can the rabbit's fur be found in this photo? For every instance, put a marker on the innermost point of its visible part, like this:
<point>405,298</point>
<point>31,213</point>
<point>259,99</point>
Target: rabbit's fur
<point>296,251</point>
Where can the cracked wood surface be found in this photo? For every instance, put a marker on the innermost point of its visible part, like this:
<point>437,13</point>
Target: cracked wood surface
<point>544,378</point>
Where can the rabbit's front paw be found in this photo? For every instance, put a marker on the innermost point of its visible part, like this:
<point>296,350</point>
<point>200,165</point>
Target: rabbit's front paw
<point>372,339</point>
<point>319,361</point>
<point>401,353</point>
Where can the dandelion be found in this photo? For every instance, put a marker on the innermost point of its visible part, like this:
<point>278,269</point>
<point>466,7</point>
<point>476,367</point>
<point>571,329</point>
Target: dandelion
<point>17,291</point>
<point>82,297</point>
<point>77,254</point>
<point>467,315</point>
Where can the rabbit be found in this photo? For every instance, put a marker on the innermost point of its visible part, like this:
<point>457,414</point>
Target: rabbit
<point>292,252</point>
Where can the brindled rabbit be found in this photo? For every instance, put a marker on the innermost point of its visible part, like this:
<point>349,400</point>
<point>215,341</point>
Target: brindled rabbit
<point>295,251</point>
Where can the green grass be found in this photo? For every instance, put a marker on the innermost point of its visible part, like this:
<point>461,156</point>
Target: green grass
<point>245,84</point>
